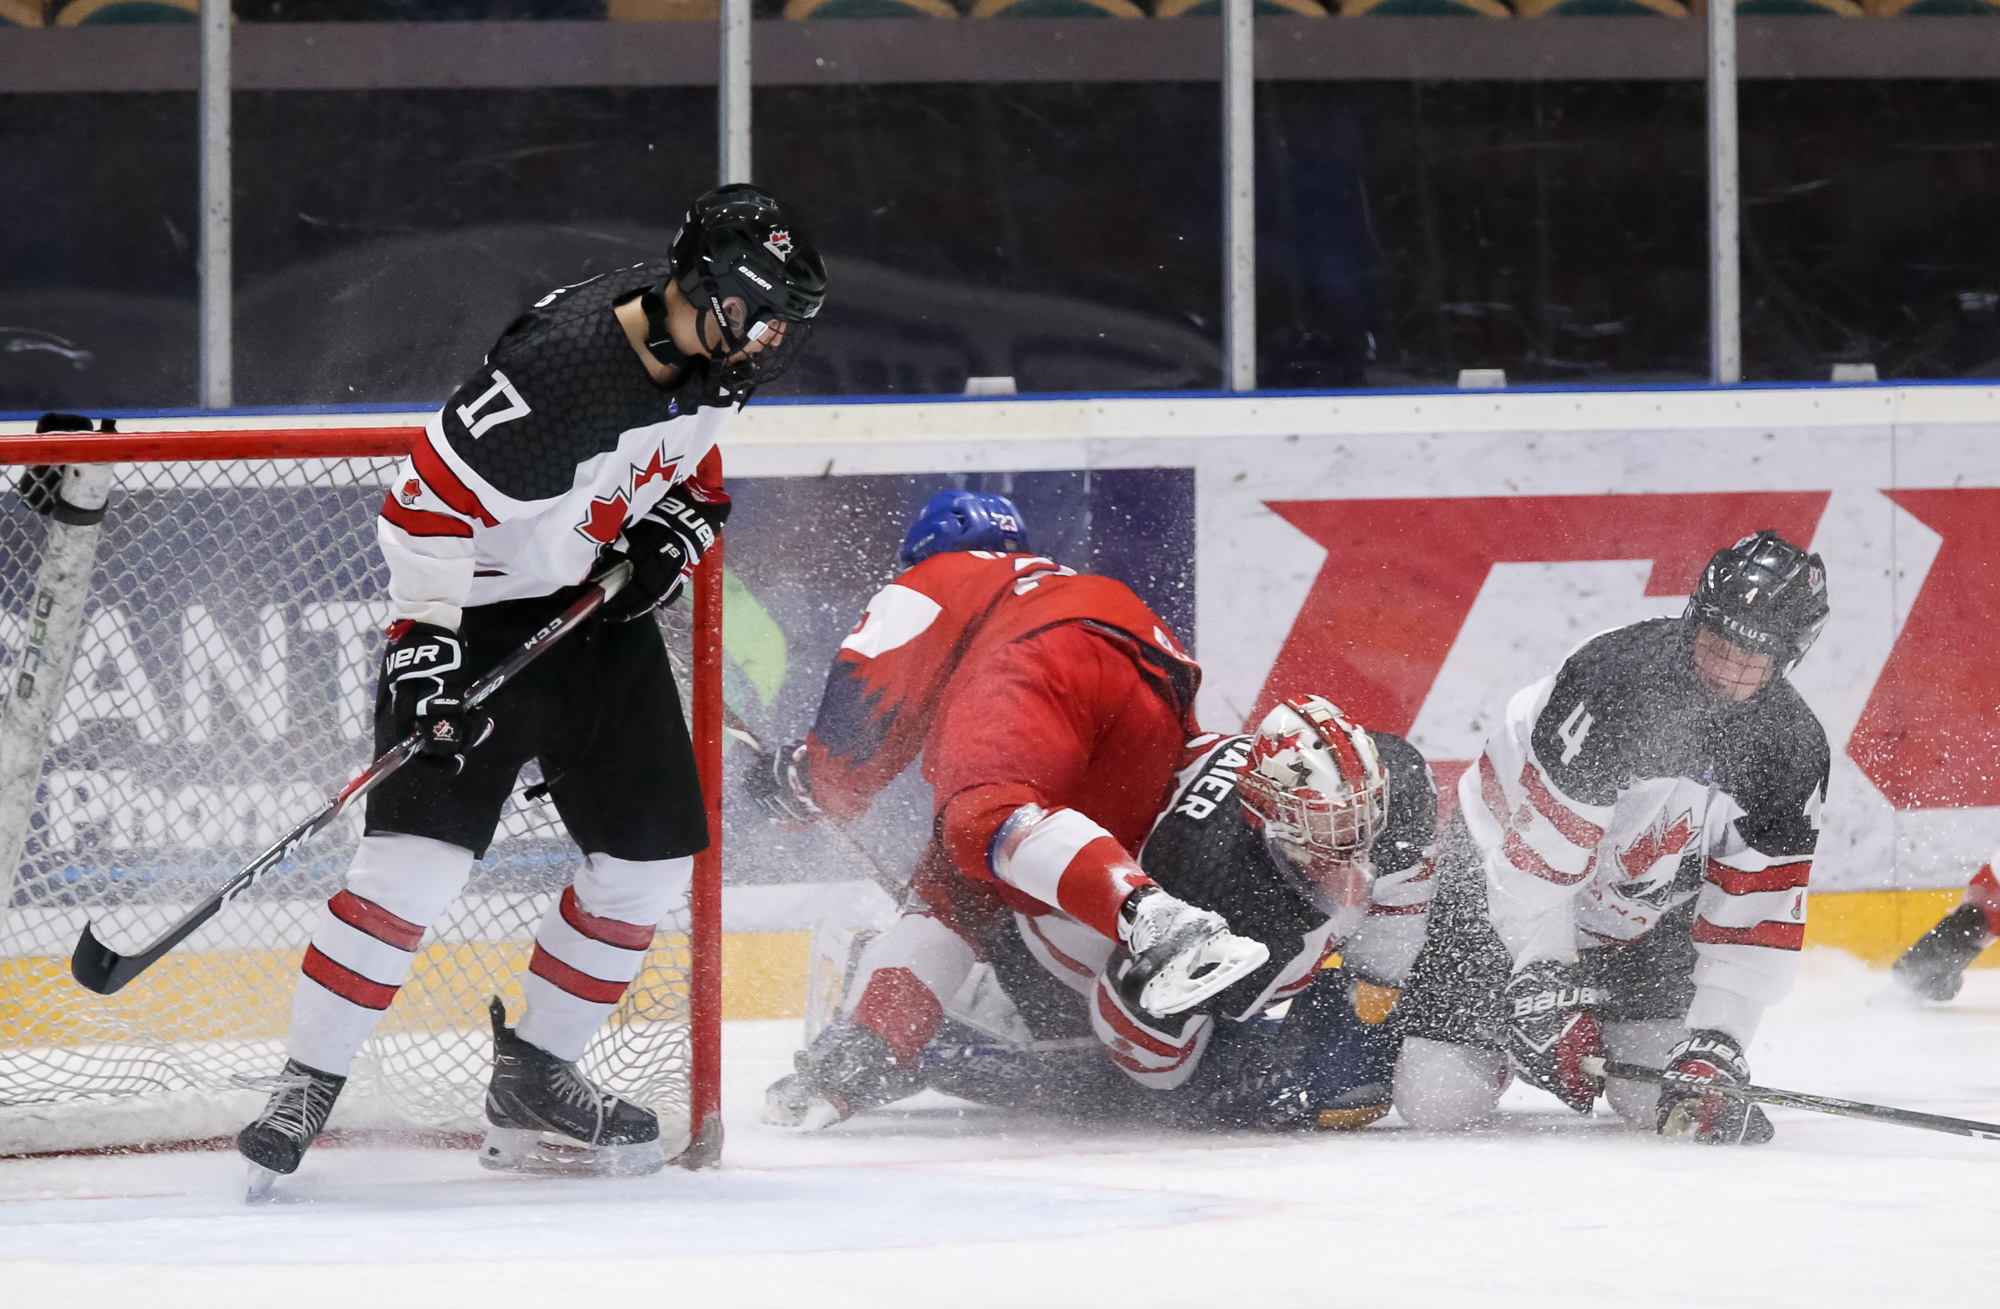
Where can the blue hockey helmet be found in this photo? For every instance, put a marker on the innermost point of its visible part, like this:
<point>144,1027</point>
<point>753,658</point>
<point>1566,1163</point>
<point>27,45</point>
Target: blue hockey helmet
<point>965,520</point>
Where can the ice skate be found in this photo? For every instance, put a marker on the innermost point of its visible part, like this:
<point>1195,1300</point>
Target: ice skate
<point>848,1069</point>
<point>1174,956</point>
<point>1934,968</point>
<point>276,1140</point>
<point>547,1117</point>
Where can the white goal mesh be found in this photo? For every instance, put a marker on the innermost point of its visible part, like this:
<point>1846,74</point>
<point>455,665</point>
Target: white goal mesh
<point>223,689</point>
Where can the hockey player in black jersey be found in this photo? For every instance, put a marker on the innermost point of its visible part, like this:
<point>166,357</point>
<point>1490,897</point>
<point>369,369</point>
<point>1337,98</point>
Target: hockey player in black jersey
<point>1310,835</point>
<point>588,434</point>
<point>1626,874</point>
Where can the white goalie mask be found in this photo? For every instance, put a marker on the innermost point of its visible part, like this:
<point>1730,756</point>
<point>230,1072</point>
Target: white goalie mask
<point>1314,786</point>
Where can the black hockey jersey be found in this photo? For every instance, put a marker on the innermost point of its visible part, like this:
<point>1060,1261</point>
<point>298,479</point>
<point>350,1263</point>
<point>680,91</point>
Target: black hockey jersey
<point>1619,789</point>
<point>544,455</point>
<point>1203,849</point>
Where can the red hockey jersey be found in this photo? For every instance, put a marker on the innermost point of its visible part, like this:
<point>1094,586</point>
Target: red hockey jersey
<point>926,631</point>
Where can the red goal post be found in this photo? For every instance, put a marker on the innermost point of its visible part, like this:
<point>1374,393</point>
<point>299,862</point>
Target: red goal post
<point>217,622</point>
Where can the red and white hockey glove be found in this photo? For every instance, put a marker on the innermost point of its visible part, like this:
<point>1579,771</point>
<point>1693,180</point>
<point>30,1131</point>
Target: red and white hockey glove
<point>1687,1114</point>
<point>1552,1028</point>
<point>424,679</point>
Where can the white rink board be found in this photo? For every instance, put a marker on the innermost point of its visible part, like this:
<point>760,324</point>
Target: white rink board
<point>1848,446</point>
<point>1844,449</point>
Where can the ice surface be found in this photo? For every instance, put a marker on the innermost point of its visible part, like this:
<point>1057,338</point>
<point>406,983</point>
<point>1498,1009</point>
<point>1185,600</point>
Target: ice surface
<point>934,1203</point>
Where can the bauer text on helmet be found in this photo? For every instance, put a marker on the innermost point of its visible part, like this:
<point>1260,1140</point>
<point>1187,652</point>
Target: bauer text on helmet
<point>1757,609</point>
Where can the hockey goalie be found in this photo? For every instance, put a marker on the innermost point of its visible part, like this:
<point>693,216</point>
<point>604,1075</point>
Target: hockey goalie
<point>1027,968</point>
<point>1627,870</point>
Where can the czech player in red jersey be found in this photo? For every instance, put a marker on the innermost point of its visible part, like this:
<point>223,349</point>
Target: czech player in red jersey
<point>1050,709</point>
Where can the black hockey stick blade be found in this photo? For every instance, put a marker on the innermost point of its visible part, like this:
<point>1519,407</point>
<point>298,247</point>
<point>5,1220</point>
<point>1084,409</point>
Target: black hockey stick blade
<point>1823,1104</point>
<point>97,967</point>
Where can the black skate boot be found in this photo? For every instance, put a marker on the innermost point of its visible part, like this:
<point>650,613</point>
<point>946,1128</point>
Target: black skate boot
<point>847,1070</point>
<point>275,1141</point>
<point>547,1117</point>
<point>1934,967</point>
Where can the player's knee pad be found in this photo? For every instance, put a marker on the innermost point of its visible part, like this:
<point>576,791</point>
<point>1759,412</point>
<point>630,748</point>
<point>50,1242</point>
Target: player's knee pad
<point>1645,1043</point>
<point>415,878</point>
<point>642,891</point>
<point>1440,1087</point>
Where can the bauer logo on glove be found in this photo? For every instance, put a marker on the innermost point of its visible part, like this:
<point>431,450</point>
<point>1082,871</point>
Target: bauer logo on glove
<point>423,690</point>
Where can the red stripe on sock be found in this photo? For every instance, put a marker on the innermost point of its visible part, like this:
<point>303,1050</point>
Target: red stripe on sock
<point>900,1009</point>
<point>345,982</point>
<point>367,916</point>
<point>581,985</point>
<point>626,936</point>
<point>1777,936</point>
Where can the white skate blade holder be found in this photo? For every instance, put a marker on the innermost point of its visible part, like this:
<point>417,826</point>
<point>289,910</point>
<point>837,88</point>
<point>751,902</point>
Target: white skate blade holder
<point>257,1186</point>
<point>551,1154</point>
<point>1193,976</point>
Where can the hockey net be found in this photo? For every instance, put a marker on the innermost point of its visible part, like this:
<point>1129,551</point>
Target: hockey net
<point>222,689</point>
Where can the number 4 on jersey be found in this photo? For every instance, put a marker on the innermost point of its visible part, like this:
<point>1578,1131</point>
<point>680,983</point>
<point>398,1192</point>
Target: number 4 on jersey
<point>1573,731</point>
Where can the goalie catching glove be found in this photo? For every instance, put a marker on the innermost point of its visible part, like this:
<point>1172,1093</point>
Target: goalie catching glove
<point>1687,1114</point>
<point>1551,1029</point>
<point>664,544</point>
<point>424,678</point>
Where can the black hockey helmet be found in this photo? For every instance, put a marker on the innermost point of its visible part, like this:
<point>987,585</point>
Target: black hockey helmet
<point>1764,594</point>
<point>740,241</point>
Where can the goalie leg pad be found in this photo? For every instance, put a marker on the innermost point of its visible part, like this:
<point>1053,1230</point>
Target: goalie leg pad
<point>1646,1044</point>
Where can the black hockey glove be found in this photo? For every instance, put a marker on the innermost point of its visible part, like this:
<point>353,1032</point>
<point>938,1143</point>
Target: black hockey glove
<point>1687,1114</point>
<point>664,545</point>
<point>782,786</point>
<point>1552,1028</point>
<point>424,677</point>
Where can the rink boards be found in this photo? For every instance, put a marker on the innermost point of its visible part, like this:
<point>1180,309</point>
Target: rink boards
<point>1419,557</point>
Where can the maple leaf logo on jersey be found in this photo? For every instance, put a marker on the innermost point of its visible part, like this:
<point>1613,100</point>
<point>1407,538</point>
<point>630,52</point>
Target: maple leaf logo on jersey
<point>779,243</point>
<point>410,492</point>
<point>1657,842</point>
<point>604,520</point>
<point>656,467</point>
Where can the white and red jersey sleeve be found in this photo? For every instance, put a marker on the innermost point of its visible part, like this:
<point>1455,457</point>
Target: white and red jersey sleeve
<point>1618,792</point>
<point>453,539</point>
<point>1540,844</point>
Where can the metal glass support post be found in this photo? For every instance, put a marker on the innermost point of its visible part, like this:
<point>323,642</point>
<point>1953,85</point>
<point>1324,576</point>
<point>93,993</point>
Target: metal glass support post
<point>1239,196</point>
<point>217,305</point>
<point>1725,283</point>
<point>732,108</point>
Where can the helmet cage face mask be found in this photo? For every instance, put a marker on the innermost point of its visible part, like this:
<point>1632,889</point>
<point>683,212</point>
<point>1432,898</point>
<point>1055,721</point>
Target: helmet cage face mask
<point>1316,790</point>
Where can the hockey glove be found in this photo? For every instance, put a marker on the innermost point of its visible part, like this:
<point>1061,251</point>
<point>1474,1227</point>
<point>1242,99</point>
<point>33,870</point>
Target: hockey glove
<point>664,545</point>
<point>424,677</point>
<point>1687,1114</point>
<point>782,786</point>
<point>1552,1029</point>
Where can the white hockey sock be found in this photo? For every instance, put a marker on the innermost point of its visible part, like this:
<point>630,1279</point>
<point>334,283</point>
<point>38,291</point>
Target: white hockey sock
<point>366,939</point>
<point>592,943</point>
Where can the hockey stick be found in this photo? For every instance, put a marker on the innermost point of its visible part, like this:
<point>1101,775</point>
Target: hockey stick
<point>736,727</point>
<point>1822,1104</point>
<point>97,967</point>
